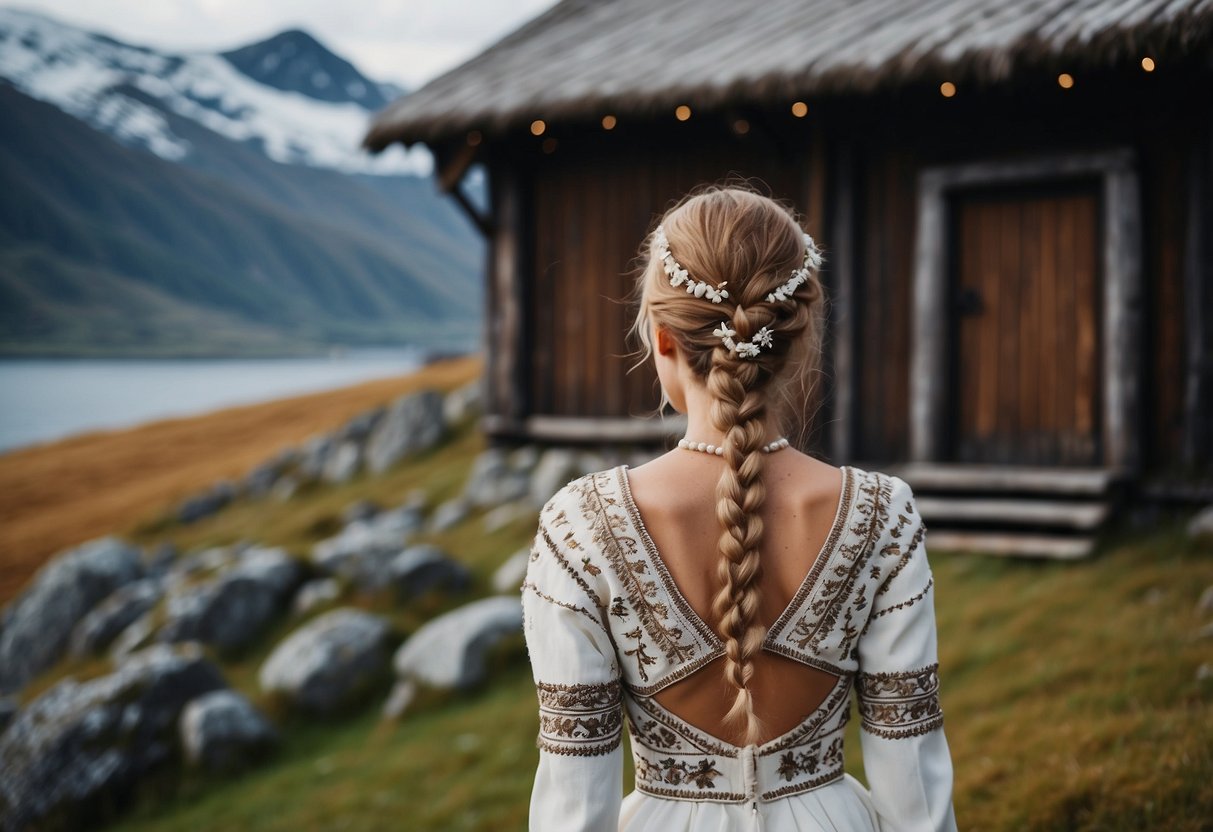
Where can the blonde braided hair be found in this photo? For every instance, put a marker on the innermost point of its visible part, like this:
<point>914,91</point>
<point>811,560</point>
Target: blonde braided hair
<point>733,234</point>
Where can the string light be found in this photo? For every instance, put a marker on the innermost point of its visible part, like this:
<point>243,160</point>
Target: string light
<point>1147,63</point>
<point>537,127</point>
<point>474,138</point>
<point>741,127</point>
<point>549,145</point>
<point>608,122</point>
<point>1065,80</point>
<point>682,113</point>
<point>800,109</point>
<point>947,89</point>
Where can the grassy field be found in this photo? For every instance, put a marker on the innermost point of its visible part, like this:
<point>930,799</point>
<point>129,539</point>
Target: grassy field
<point>1071,692</point>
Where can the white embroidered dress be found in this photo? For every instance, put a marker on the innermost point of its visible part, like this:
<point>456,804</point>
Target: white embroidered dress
<point>607,628</point>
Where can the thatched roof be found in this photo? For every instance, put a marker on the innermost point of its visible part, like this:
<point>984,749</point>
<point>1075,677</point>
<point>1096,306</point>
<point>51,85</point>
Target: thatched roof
<point>583,58</point>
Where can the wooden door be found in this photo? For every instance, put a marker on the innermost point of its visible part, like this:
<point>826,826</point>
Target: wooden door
<point>1026,333</point>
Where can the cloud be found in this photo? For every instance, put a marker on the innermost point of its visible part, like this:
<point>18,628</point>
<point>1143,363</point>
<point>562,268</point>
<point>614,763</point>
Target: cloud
<point>405,41</point>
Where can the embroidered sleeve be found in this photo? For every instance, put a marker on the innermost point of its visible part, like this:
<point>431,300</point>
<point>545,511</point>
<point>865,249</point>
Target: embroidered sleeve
<point>579,781</point>
<point>581,719</point>
<point>905,752</point>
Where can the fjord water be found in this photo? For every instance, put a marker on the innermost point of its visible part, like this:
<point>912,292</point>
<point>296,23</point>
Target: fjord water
<point>46,399</point>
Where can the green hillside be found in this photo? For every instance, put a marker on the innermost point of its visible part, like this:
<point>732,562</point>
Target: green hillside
<point>105,249</point>
<point>1072,691</point>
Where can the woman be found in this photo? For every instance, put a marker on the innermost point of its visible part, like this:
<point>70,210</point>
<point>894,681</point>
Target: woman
<point>727,596</point>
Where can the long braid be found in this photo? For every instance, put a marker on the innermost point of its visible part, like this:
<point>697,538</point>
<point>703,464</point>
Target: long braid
<point>737,412</point>
<point>733,237</point>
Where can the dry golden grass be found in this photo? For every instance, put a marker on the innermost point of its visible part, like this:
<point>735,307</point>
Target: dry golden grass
<point>57,495</point>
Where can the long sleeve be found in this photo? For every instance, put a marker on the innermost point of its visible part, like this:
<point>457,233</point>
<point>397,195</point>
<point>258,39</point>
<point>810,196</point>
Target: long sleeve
<point>579,781</point>
<point>905,753</point>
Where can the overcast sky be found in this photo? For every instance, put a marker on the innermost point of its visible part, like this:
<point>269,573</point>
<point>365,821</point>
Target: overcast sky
<point>405,41</point>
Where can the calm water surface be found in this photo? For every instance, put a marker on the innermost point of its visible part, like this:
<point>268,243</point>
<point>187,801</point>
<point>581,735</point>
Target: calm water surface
<point>48,399</point>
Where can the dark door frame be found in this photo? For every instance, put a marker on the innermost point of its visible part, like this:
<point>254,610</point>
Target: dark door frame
<point>1120,354</point>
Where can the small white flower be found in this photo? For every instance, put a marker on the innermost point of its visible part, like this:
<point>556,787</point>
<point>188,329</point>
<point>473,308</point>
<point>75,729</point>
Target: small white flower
<point>747,350</point>
<point>763,337</point>
<point>723,331</point>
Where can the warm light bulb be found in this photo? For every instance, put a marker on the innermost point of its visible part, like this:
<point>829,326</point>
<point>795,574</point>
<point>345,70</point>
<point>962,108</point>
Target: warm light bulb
<point>549,145</point>
<point>537,127</point>
<point>1065,80</point>
<point>741,127</point>
<point>608,122</point>
<point>474,137</point>
<point>947,89</point>
<point>800,109</point>
<point>1147,64</point>
<point>682,113</point>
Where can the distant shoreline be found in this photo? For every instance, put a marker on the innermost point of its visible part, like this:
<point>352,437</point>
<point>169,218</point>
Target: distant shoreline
<point>58,494</point>
<point>49,399</point>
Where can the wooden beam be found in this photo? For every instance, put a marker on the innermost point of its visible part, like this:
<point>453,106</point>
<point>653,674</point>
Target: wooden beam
<point>452,167</point>
<point>506,311</point>
<point>841,266</point>
<point>1197,444</point>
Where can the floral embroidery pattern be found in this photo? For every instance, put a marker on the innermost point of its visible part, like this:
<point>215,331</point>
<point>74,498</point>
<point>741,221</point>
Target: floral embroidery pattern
<point>608,521</point>
<point>811,761</point>
<point>679,772</point>
<point>902,704</point>
<point>812,629</point>
<point>581,720</point>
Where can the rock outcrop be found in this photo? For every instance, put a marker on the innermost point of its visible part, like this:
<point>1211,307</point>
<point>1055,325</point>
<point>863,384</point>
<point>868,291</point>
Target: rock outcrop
<point>80,747</point>
<point>40,621</point>
<point>330,662</point>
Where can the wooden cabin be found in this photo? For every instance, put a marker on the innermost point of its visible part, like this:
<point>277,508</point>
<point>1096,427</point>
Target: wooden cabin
<point>1015,198</point>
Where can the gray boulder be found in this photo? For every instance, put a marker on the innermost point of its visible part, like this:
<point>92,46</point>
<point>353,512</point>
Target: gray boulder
<point>39,623</point>
<point>359,510</point>
<point>8,709</point>
<point>463,402</point>
<point>1201,525</point>
<point>508,513</point>
<point>412,424</point>
<point>419,570</point>
<point>330,662</point>
<point>362,550</point>
<point>313,455</point>
<point>222,731</point>
<point>510,575</point>
<point>207,503</point>
<point>342,462</point>
<point>79,748</point>
<point>98,629</point>
<point>554,470</point>
<point>449,514</point>
<point>493,481</point>
<point>159,560</point>
<point>314,593</point>
<point>449,652</point>
<point>231,610</point>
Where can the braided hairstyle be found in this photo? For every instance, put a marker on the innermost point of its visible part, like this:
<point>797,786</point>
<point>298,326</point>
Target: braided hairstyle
<point>734,235</point>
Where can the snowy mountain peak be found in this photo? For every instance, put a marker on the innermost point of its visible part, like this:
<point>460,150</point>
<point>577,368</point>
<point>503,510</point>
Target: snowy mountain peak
<point>141,96</point>
<point>294,61</point>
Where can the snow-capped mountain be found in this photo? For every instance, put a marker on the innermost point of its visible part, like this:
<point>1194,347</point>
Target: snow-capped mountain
<point>294,61</point>
<point>154,203</point>
<point>288,96</point>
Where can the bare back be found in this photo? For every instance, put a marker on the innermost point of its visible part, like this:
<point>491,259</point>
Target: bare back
<point>676,496</point>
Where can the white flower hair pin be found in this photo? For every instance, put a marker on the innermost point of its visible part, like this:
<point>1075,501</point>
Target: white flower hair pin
<point>679,275</point>
<point>812,262</point>
<point>763,338</point>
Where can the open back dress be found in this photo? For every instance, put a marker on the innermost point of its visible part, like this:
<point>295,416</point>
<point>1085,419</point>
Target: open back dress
<point>607,629</point>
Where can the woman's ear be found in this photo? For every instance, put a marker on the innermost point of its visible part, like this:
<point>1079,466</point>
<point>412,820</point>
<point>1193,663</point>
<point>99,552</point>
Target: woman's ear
<point>664,341</point>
